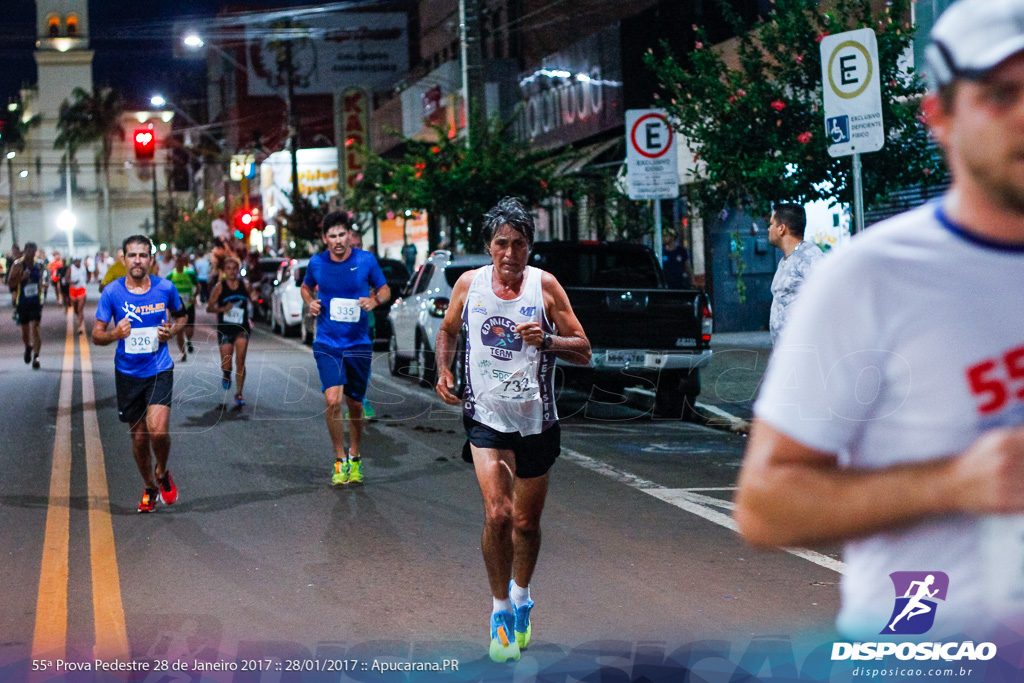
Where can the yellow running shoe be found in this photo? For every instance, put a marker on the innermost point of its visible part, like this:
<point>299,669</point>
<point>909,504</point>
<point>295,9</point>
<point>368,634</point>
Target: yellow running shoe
<point>341,473</point>
<point>503,643</point>
<point>355,471</point>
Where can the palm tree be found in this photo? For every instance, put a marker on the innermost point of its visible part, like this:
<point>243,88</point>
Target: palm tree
<point>93,117</point>
<point>13,138</point>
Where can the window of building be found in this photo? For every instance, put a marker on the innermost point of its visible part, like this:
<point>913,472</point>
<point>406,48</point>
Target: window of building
<point>53,26</point>
<point>72,23</point>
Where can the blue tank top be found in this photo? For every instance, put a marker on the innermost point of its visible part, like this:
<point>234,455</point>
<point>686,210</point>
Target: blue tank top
<point>28,288</point>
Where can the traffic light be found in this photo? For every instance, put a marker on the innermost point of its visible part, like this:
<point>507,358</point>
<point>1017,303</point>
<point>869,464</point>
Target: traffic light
<point>145,143</point>
<point>247,220</point>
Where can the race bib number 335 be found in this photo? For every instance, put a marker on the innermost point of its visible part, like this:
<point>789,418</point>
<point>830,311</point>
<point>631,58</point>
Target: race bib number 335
<point>345,310</point>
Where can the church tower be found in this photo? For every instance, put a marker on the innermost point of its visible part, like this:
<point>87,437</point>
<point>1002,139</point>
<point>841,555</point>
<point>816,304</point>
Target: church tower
<point>63,63</point>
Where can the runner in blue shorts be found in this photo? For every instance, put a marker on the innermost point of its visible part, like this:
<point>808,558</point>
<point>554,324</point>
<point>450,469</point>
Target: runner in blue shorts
<point>337,291</point>
<point>146,311</point>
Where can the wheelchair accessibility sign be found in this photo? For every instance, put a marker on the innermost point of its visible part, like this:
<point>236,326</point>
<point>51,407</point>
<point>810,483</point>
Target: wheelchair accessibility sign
<point>852,94</point>
<point>838,129</point>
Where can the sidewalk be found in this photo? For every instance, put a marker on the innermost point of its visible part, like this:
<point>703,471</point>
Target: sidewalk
<point>730,383</point>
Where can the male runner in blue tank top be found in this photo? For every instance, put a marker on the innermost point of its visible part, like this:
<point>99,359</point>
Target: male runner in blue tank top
<point>25,279</point>
<point>519,321</point>
<point>343,349</point>
<point>142,307</point>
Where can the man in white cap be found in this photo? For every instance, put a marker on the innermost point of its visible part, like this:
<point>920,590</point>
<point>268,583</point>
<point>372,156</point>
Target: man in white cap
<point>905,442</point>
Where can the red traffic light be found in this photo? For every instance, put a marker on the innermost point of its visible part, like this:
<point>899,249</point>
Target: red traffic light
<point>145,143</point>
<point>246,221</point>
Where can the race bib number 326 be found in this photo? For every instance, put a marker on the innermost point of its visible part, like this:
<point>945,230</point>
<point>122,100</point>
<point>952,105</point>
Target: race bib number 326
<point>142,340</point>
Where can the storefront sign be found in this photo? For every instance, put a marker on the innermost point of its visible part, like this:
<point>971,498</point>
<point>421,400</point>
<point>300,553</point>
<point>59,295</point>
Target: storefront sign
<point>575,93</point>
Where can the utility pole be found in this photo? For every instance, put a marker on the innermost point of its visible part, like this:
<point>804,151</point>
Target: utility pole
<point>156,206</point>
<point>473,85</point>
<point>293,125</point>
<point>10,196</point>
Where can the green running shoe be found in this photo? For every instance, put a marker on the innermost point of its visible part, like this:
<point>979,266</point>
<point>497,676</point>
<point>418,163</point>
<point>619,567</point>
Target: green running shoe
<point>368,410</point>
<point>355,471</point>
<point>341,473</point>
<point>503,644</point>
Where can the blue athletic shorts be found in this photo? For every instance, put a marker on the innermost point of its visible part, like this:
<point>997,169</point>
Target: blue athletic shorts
<point>344,367</point>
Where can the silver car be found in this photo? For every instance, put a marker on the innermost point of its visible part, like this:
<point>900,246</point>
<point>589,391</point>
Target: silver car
<point>417,314</point>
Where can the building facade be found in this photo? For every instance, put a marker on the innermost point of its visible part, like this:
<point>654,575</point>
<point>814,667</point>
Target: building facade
<point>43,185</point>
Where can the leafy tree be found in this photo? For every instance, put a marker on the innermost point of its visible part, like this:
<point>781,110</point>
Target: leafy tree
<point>88,118</point>
<point>459,181</point>
<point>758,129</point>
<point>187,229</point>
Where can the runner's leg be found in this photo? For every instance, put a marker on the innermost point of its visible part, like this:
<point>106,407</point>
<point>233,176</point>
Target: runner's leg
<point>355,424</point>
<point>241,349</point>
<point>335,419</point>
<point>37,341</point>
<point>495,473</point>
<point>142,453</point>
<point>225,357</point>
<point>158,418</point>
<point>527,504</point>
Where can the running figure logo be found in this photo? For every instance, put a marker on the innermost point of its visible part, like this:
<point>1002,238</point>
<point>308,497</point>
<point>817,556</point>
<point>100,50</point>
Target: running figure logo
<point>916,592</point>
<point>129,312</point>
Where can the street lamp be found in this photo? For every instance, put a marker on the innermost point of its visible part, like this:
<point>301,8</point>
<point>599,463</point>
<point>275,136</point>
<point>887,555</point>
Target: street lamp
<point>194,41</point>
<point>66,221</point>
<point>157,101</point>
<point>10,193</point>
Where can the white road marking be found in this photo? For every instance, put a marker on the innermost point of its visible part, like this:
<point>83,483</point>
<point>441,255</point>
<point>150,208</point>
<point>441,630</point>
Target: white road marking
<point>684,499</point>
<point>689,500</point>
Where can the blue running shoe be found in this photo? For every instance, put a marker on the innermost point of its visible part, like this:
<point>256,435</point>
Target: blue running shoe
<point>522,627</point>
<point>503,644</point>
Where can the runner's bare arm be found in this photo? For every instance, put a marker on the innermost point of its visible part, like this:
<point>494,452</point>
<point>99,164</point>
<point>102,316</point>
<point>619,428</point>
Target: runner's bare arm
<point>793,495</point>
<point>444,346</point>
<point>14,278</point>
<point>570,343</point>
<point>211,303</point>
<point>375,299</point>
<point>172,326</point>
<point>100,336</point>
<point>310,299</point>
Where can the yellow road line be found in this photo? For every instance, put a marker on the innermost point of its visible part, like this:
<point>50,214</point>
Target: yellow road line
<point>108,609</point>
<point>50,636</point>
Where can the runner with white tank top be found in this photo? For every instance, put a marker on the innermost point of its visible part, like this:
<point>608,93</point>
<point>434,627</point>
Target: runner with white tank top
<point>510,385</point>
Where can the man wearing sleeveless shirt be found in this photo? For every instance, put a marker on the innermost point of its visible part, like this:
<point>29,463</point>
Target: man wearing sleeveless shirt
<point>518,321</point>
<point>891,418</point>
<point>142,307</point>
<point>25,280</point>
<point>342,277</point>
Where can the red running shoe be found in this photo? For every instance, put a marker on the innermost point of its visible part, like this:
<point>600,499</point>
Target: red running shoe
<point>168,491</point>
<point>148,502</point>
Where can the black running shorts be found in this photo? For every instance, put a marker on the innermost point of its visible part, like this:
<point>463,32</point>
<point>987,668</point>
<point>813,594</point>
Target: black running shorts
<point>535,454</point>
<point>28,313</point>
<point>136,394</point>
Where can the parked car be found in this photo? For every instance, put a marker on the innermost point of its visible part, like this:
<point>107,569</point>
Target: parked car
<point>419,309</point>
<point>262,280</point>
<point>396,275</point>
<point>286,300</point>
<point>641,332</point>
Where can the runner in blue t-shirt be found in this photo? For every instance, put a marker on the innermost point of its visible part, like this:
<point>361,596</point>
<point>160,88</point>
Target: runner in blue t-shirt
<point>341,278</point>
<point>142,307</point>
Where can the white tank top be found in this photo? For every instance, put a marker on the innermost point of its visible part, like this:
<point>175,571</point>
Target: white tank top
<point>509,384</point>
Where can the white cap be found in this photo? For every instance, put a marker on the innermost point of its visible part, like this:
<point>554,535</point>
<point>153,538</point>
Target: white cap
<point>972,37</point>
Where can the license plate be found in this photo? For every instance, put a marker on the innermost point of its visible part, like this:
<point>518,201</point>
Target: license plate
<point>624,357</point>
